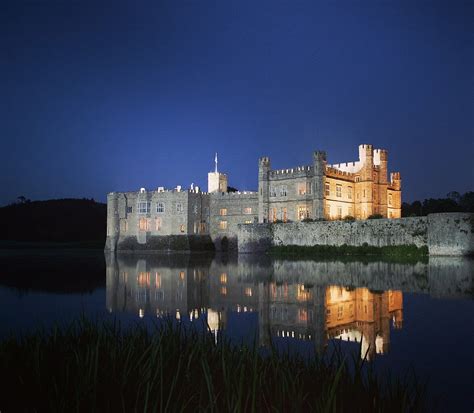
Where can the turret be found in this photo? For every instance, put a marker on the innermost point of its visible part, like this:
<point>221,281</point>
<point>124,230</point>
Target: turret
<point>263,189</point>
<point>319,166</point>
<point>381,160</point>
<point>366,157</point>
<point>395,181</point>
<point>112,222</point>
<point>216,181</point>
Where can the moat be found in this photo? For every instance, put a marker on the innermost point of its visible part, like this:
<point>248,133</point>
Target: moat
<point>400,315</point>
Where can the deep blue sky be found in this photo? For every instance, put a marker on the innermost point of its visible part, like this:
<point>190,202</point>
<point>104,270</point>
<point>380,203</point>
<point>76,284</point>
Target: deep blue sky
<point>111,96</point>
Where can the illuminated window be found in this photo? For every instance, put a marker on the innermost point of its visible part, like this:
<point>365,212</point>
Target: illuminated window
<point>224,278</point>
<point>303,314</point>
<point>339,191</point>
<point>248,221</point>
<point>349,192</point>
<point>144,207</point>
<point>328,189</point>
<point>181,275</point>
<point>223,211</point>
<point>203,227</point>
<point>158,224</point>
<point>181,228</point>
<point>160,207</point>
<point>129,210</point>
<point>124,225</point>
<point>157,280</point>
<point>248,292</point>
<point>303,212</point>
<point>302,188</point>
<point>143,279</point>
<point>223,225</point>
<point>303,294</point>
<point>284,216</point>
<point>144,224</point>
<point>247,210</point>
<point>179,207</point>
<point>274,214</point>
<point>390,199</point>
<point>223,290</point>
<point>283,191</point>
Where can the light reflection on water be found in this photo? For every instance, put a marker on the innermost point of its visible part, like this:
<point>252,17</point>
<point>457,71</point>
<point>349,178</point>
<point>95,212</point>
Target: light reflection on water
<point>403,315</point>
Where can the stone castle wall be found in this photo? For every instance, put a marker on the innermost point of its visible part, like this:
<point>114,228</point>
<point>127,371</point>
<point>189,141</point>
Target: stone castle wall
<point>443,234</point>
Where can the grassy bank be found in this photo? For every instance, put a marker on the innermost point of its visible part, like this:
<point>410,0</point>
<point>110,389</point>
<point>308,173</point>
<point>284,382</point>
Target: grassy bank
<point>396,252</point>
<point>86,367</point>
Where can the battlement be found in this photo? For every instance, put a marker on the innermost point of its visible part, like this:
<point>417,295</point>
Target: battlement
<point>264,161</point>
<point>235,195</point>
<point>299,171</point>
<point>331,171</point>
<point>395,176</point>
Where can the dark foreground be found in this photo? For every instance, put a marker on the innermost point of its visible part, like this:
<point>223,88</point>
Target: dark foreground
<point>91,367</point>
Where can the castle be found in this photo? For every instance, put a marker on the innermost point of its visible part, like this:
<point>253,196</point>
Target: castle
<point>354,190</point>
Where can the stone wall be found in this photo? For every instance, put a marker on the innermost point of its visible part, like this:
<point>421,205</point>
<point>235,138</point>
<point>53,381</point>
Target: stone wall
<point>443,234</point>
<point>451,234</point>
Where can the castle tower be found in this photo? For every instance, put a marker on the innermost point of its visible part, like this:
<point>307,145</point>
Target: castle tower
<point>381,183</point>
<point>112,222</point>
<point>263,188</point>
<point>365,186</point>
<point>319,165</point>
<point>216,181</point>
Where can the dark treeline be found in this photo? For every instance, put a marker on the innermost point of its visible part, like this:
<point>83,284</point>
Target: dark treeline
<point>454,202</point>
<point>57,220</point>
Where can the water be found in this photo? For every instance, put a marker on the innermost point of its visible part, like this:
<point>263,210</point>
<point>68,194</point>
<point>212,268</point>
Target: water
<point>401,316</point>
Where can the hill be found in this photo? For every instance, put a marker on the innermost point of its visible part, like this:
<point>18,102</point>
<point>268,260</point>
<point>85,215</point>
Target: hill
<point>57,220</point>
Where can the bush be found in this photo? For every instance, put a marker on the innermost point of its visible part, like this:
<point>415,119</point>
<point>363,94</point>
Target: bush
<point>349,218</point>
<point>375,216</point>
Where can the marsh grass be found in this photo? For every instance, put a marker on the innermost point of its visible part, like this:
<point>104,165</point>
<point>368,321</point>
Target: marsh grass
<point>399,253</point>
<point>92,367</point>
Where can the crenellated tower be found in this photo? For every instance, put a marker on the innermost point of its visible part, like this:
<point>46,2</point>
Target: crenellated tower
<point>319,167</point>
<point>263,188</point>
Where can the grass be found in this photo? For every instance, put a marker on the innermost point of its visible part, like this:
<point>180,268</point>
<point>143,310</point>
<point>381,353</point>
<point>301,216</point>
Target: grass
<point>398,252</point>
<point>90,367</point>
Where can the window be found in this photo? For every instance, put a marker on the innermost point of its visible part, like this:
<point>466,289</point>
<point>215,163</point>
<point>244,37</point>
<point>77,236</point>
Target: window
<point>364,193</point>
<point>339,212</point>
<point>303,212</point>
<point>339,191</point>
<point>272,191</point>
<point>124,225</point>
<point>179,207</point>
<point>223,225</point>
<point>328,190</point>
<point>248,292</point>
<point>144,224</point>
<point>357,178</point>
<point>284,216</point>
<point>274,215</point>
<point>182,228</point>
<point>144,207</point>
<point>247,210</point>
<point>308,188</point>
<point>129,210</point>
<point>223,212</point>
<point>248,221</point>
<point>157,280</point>
<point>195,209</point>
<point>349,192</point>
<point>302,188</point>
<point>390,199</point>
<point>158,224</point>
<point>283,190</point>
<point>203,227</point>
<point>143,279</point>
<point>223,290</point>
<point>224,278</point>
<point>160,207</point>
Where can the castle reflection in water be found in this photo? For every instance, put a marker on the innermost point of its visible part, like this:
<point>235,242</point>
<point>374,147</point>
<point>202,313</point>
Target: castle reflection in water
<point>304,300</point>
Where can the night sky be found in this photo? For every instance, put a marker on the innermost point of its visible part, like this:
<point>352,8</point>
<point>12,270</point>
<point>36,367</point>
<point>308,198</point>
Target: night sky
<point>108,96</point>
